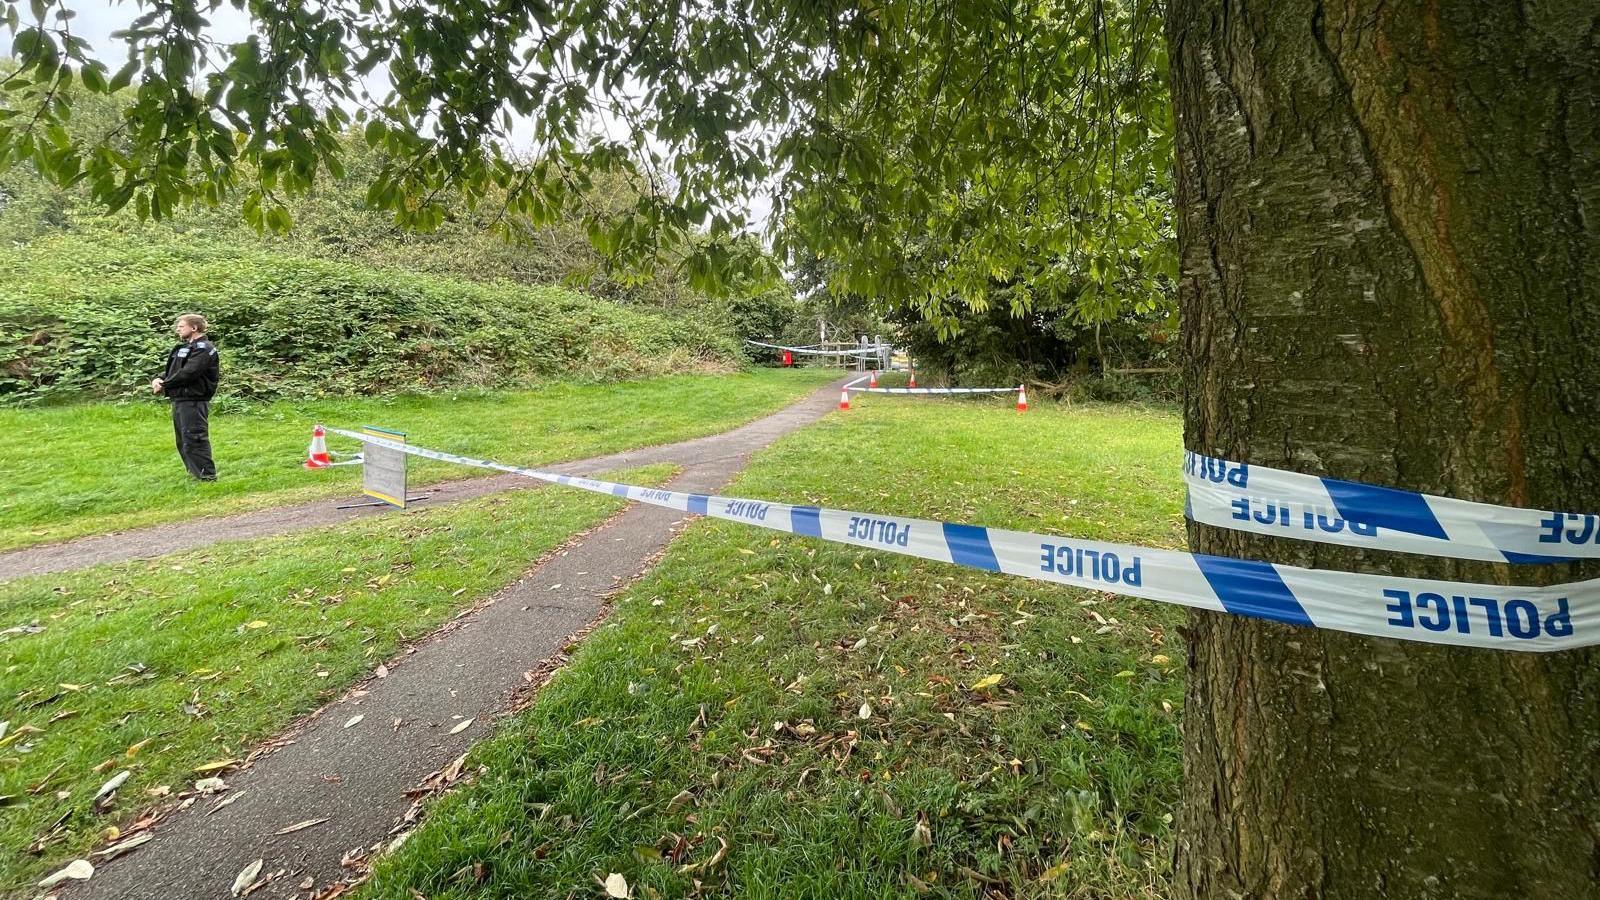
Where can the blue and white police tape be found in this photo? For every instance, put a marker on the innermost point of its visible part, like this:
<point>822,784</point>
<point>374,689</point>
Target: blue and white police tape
<point>1261,500</point>
<point>932,390</point>
<point>1440,612</point>
<point>872,350</point>
<point>852,386</point>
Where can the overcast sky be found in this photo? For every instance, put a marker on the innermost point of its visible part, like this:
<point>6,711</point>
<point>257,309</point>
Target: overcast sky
<point>97,19</point>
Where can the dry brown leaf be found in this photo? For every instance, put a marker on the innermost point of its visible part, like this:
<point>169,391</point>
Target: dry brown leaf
<point>461,726</point>
<point>116,850</point>
<point>300,826</point>
<point>246,877</point>
<point>77,870</point>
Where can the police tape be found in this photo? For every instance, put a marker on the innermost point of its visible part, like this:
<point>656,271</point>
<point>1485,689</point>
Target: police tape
<point>1539,619</point>
<point>872,350</point>
<point>1276,502</point>
<point>851,386</point>
<point>932,390</point>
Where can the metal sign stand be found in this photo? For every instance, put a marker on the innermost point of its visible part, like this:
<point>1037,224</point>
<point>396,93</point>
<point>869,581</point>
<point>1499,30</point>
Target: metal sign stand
<point>383,470</point>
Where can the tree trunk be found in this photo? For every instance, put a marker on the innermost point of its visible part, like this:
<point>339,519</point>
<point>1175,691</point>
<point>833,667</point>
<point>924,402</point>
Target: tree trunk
<point>1389,222</point>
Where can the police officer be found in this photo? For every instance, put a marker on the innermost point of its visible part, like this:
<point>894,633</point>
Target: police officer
<point>189,382</point>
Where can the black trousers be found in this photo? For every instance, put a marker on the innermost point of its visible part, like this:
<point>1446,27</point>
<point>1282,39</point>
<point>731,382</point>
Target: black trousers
<point>191,424</point>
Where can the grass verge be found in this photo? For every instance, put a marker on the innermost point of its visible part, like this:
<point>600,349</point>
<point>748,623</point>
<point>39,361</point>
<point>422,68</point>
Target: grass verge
<point>779,717</point>
<point>88,469</point>
<point>157,667</point>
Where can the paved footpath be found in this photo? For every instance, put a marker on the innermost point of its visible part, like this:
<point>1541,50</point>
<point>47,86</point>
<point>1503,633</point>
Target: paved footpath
<point>171,537</point>
<point>357,778</point>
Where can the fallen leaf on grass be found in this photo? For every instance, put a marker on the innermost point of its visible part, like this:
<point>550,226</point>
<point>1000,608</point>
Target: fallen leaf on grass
<point>134,750</point>
<point>210,785</point>
<point>46,779</point>
<point>865,712</point>
<point>246,877</point>
<point>353,720</point>
<point>461,726</point>
<point>300,826</point>
<point>719,856</point>
<point>987,681</point>
<point>115,782</point>
<point>383,671</point>
<point>77,870</point>
<point>1054,872</point>
<point>617,886</point>
<point>217,766</point>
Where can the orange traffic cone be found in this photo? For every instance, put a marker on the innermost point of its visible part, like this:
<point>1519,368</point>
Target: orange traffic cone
<point>844,399</point>
<point>317,456</point>
<point>913,378</point>
<point>874,381</point>
<point>1022,399</point>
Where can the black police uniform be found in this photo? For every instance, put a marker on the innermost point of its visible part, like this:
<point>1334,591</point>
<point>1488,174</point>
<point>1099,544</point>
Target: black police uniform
<point>191,380</point>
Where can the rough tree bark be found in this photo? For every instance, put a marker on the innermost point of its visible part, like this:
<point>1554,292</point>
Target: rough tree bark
<point>1389,220</point>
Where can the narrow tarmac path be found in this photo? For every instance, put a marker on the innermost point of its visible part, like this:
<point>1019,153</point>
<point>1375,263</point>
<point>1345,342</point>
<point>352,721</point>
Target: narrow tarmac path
<point>171,537</point>
<point>357,777</point>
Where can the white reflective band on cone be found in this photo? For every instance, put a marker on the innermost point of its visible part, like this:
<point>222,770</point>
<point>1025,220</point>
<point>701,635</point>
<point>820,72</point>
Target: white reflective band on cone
<point>1441,612</point>
<point>1261,500</point>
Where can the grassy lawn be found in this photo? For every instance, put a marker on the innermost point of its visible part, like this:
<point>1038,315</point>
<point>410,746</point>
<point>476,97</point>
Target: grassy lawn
<point>158,667</point>
<point>82,470</point>
<point>779,717</point>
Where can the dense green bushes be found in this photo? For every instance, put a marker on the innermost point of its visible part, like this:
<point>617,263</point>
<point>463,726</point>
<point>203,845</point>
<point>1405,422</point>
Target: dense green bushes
<point>82,319</point>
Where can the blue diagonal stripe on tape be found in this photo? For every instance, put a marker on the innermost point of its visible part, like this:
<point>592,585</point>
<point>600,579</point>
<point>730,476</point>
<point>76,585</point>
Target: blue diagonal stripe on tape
<point>1385,507</point>
<point>1532,559</point>
<point>806,520</point>
<point>697,503</point>
<point>621,490</point>
<point>969,546</point>
<point>1248,587</point>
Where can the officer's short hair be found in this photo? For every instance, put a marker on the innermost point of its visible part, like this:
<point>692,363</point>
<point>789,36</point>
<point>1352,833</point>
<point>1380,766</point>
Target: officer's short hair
<point>195,321</point>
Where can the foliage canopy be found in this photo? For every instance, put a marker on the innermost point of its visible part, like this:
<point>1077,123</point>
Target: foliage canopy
<point>931,151</point>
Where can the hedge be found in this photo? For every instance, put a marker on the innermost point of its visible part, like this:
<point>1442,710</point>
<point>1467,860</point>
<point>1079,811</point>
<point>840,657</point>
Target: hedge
<point>82,320</point>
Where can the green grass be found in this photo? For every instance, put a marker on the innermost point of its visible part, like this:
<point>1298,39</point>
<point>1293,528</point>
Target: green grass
<point>724,699</point>
<point>88,469</point>
<point>158,667</point>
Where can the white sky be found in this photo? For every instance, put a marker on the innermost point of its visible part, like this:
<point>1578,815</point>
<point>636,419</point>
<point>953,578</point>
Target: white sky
<point>97,19</point>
